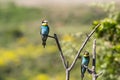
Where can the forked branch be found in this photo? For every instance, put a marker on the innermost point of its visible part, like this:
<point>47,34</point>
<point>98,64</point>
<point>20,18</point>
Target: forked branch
<point>83,45</point>
<point>66,64</point>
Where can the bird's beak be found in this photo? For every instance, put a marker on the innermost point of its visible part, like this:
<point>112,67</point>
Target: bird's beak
<point>44,24</point>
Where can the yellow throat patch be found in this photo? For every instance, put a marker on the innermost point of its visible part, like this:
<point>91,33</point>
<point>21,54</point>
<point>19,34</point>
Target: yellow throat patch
<point>85,55</point>
<point>44,24</point>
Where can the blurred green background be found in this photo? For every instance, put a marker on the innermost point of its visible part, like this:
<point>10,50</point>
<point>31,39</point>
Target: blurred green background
<point>22,57</point>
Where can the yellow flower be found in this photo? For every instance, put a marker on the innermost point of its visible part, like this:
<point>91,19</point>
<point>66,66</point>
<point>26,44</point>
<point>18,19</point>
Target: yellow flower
<point>2,63</point>
<point>41,77</point>
<point>68,38</point>
<point>22,40</point>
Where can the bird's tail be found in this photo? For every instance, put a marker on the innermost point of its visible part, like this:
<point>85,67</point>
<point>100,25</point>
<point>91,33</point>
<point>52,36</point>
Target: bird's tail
<point>44,44</point>
<point>82,75</point>
<point>44,38</point>
<point>83,69</point>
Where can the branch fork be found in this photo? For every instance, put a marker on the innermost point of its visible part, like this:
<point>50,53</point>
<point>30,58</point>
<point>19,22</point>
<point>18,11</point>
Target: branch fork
<point>66,65</point>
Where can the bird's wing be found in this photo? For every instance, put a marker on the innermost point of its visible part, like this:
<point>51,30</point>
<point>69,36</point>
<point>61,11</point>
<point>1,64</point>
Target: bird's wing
<point>40,29</point>
<point>48,29</point>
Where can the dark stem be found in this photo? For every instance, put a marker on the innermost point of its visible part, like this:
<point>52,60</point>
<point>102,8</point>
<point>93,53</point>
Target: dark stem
<point>83,45</point>
<point>60,50</point>
<point>94,61</point>
<point>66,64</point>
<point>51,36</point>
<point>93,70</point>
<point>89,70</point>
<point>67,74</point>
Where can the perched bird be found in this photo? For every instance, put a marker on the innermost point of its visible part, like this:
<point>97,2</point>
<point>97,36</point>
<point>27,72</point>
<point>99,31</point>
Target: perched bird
<point>44,31</point>
<point>85,61</point>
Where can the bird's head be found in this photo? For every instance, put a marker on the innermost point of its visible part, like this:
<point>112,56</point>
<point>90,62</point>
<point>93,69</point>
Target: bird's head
<point>86,54</point>
<point>44,23</point>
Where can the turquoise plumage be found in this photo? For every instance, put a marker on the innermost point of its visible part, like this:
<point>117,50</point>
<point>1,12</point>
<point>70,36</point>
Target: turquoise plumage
<point>44,32</point>
<point>85,61</point>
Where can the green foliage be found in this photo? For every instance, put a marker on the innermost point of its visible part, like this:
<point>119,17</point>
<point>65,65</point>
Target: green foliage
<point>14,14</point>
<point>116,48</point>
<point>118,18</point>
<point>108,30</point>
<point>109,33</point>
<point>12,18</point>
<point>108,62</point>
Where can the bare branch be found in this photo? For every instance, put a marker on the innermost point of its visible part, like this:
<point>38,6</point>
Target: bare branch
<point>51,36</point>
<point>67,74</point>
<point>94,61</point>
<point>83,45</point>
<point>66,64</point>
<point>89,70</point>
<point>100,73</point>
<point>61,53</point>
<point>94,56</point>
<point>86,34</point>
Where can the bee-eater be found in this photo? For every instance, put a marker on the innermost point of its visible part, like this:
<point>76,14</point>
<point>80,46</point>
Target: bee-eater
<point>85,61</point>
<point>44,31</point>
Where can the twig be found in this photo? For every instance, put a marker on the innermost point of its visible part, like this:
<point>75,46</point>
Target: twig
<point>94,74</point>
<point>61,53</point>
<point>66,64</point>
<point>100,73</point>
<point>94,60</point>
<point>93,70</point>
<point>89,70</point>
<point>51,36</point>
<point>83,45</point>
